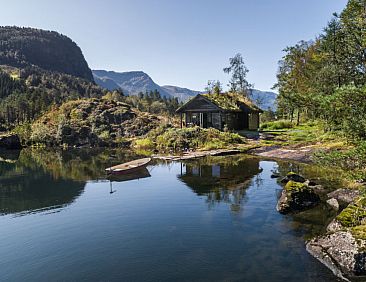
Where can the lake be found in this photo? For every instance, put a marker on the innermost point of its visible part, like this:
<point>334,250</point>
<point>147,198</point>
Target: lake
<point>212,219</point>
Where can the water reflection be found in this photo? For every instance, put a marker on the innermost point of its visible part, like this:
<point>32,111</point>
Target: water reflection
<point>221,179</point>
<point>35,180</point>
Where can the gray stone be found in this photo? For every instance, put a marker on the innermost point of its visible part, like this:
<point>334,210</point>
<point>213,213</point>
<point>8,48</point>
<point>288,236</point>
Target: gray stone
<point>341,253</point>
<point>345,196</point>
<point>333,203</point>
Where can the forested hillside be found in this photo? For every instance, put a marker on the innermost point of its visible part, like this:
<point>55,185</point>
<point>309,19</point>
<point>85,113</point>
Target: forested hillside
<point>49,50</point>
<point>26,98</point>
<point>324,78</point>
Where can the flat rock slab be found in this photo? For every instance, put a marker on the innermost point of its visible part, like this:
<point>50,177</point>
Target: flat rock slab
<point>301,154</point>
<point>196,155</point>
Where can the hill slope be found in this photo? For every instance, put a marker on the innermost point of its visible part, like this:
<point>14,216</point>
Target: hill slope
<point>48,50</point>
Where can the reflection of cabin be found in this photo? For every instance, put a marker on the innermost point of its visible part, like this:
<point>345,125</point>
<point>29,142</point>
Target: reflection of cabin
<point>229,110</point>
<point>203,176</point>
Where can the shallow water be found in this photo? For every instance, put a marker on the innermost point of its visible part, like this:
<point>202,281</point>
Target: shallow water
<point>204,220</point>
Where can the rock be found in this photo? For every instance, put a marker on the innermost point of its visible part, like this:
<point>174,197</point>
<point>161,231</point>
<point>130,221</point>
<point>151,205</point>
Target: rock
<point>334,226</point>
<point>291,176</point>
<point>341,252</point>
<point>345,196</point>
<point>275,175</point>
<point>296,197</point>
<point>10,141</point>
<point>312,183</point>
<point>333,203</point>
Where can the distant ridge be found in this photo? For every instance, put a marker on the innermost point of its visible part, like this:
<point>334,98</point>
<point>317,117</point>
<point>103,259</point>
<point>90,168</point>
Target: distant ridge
<point>133,82</point>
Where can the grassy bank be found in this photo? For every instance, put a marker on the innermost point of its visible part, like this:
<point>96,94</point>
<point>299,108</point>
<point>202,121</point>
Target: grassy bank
<point>166,139</point>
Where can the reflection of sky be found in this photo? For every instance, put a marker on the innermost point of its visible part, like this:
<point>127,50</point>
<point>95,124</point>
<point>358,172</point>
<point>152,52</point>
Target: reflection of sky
<point>156,229</point>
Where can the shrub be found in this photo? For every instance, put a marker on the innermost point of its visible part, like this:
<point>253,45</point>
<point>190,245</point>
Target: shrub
<point>276,125</point>
<point>145,143</point>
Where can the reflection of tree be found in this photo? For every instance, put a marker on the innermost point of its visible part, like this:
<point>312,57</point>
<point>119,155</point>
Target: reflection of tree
<point>78,164</point>
<point>326,176</point>
<point>28,190</point>
<point>221,179</point>
<point>46,179</point>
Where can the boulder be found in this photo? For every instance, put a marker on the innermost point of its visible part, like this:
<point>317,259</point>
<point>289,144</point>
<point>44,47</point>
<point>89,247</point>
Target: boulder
<point>342,252</point>
<point>291,176</point>
<point>345,196</point>
<point>296,197</point>
<point>10,141</point>
<point>275,175</point>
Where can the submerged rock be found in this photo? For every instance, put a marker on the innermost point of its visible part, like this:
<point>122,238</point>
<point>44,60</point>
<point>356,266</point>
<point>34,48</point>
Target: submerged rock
<point>296,197</point>
<point>10,141</point>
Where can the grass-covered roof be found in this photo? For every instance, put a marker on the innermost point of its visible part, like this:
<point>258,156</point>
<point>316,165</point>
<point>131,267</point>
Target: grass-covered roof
<point>231,101</point>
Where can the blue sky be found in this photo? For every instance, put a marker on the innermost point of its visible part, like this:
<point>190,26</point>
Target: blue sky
<point>183,43</point>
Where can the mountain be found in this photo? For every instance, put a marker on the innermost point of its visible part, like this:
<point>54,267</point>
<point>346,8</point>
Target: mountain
<point>183,94</point>
<point>137,81</point>
<point>48,50</point>
<point>134,82</point>
<point>264,99</point>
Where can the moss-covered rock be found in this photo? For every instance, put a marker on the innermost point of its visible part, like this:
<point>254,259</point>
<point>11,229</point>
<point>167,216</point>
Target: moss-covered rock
<point>351,216</point>
<point>296,197</point>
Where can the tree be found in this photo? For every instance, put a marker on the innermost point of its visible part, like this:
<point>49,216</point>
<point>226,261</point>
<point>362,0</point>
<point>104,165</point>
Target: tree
<point>213,87</point>
<point>238,71</point>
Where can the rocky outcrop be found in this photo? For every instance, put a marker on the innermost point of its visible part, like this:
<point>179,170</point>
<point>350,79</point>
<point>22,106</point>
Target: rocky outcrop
<point>341,252</point>
<point>343,248</point>
<point>10,141</point>
<point>344,196</point>
<point>296,197</point>
<point>93,123</point>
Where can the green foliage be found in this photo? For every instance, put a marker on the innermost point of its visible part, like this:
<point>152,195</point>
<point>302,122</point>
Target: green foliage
<point>353,160</point>
<point>325,78</point>
<point>352,215</point>
<point>191,138</point>
<point>144,143</point>
<point>238,71</point>
<point>293,186</point>
<point>346,110</point>
<point>152,102</point>
<point>276,125</point>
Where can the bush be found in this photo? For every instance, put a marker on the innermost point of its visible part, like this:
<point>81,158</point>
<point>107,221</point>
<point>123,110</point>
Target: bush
<point>145,143</point>
<point>193,138</point>
<point>276,125</point>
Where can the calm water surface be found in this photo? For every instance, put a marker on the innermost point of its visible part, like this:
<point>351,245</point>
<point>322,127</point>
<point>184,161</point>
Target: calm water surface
<point>207,220</point>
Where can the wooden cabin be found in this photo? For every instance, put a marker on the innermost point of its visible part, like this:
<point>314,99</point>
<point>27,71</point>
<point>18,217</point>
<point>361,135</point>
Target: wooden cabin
<point>229,110</point>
